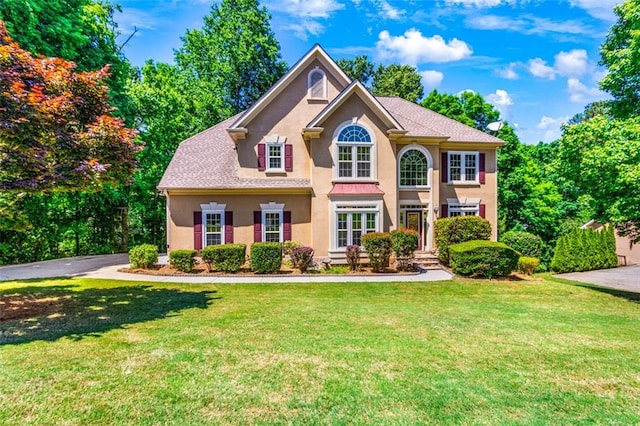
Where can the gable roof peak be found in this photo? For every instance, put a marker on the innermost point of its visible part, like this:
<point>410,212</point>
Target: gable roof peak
<point>315,53</point>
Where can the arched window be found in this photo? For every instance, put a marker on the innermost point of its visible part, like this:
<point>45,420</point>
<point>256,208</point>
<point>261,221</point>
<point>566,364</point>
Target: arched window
<point>414,168</point>
<point>355,152</point>
<point>317,84</point>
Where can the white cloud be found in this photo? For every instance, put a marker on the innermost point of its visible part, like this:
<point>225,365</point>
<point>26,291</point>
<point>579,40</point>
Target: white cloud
<point>528,24</point>
<point>579,92</point>
<point>413,48</point>
<point>509,72</point>
<point>539,68</point>
<point>502,101</point>
<point>481,3</point>
<point>307,13</point>
<point>550,127</point>
<point>431,79</point>
<point>572,63</point>
<point>601,9</point>
<point>390,12</point>
<point>306,8</point>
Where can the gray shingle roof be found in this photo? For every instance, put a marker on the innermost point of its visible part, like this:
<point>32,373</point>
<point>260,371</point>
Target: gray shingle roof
<point>420,121</point>
<point>208,160</point>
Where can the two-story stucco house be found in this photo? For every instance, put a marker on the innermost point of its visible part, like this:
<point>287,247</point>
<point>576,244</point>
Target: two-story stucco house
<point>320,160</point>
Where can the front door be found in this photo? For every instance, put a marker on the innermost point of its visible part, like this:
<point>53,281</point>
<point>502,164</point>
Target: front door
<point>413,220</point>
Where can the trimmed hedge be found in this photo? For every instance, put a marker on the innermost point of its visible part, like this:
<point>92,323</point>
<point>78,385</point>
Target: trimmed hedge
<point>458,229</point>
<point>266,258</point>
<point>528,244</point>
<point>379,248</point>
<point>405,242</point>
<point>302,258</point>
<point>183,260</point>
<point>481,258</point>
<point>585,250</point>
<point>143,256</point>
<point>225,257</point>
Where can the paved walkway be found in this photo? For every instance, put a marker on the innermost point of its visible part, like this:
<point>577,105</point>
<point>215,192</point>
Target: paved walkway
<point>626,278</point>
<point>107,267</point>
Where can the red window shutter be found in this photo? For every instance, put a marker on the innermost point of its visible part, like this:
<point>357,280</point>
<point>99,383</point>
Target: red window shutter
<point>228,227</point>
<point>262,157</point>
<point>286,228</point>
<point>197,230</point>
<point>444,167</point>
<point>444,211</point>
<point>482,211</point>
<point>482,173</point>
<point>257,227</point>
<point>288,157</point>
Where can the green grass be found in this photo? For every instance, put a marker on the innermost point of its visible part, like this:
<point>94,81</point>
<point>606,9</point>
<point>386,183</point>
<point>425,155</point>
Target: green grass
<point>80,352</point>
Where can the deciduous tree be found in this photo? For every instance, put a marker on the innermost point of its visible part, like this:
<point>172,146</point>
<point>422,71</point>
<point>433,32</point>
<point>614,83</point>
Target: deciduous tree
<point>56,130</point>
<point>398,80</point>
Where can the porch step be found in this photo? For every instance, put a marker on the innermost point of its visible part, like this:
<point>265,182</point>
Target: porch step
<point>426,260</point>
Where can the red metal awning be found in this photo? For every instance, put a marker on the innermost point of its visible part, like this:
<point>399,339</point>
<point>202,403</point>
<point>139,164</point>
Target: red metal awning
<point>355,189</point>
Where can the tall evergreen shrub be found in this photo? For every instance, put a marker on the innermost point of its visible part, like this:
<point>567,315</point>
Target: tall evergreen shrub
<point>585,250</point>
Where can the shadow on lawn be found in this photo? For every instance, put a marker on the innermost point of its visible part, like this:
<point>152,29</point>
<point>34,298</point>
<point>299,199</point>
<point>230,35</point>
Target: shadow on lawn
<point>50,312</point>
<point>629,295</point>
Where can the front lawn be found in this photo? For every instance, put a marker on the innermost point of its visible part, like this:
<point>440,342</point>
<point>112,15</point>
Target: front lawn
<point>80,351</point>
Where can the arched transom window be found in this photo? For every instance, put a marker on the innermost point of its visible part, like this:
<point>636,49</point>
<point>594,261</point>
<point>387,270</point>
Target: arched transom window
<point>354,152</point>
<point>414,168</point>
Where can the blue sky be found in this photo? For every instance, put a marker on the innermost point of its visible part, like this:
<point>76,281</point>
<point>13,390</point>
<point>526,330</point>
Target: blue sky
<point>534,60</point>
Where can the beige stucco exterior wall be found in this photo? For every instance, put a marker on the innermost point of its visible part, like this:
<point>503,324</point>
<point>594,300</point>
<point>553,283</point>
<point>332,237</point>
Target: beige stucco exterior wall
<point>286,116</point>
<point>181,208</point>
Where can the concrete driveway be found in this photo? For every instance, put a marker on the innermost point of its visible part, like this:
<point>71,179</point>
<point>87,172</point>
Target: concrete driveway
<point>626,278</point>
<point>67,267</point>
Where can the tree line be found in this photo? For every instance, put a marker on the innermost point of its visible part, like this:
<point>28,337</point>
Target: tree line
<point>79,194</point>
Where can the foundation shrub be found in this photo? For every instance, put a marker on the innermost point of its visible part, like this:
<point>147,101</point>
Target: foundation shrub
<point>288,246</point>
<point>458,229</point>
<point>379,248</point>
<point>143,256</point>
<point>405,242</point>
<point>302,258</point>
<point>483,259</point>
<point>266,258</point>
<point>225,257</point>
<point>183,260</point>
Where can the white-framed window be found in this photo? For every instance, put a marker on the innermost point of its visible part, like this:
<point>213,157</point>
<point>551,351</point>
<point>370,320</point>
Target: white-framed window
<point>351,220</point>
<point>464,210</point>
<point>212,224</point>
<point>272,222</point>
<point>317,84</point>
<point>274,153</point>
<point>354,153</point>
<point>464,167</point>
<point>414,167</point>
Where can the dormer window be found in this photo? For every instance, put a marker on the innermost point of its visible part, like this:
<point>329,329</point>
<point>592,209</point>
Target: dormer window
<point>317,84</point>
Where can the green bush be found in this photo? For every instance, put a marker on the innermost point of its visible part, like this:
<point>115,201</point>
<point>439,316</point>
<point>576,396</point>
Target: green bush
<point>458,229</point>
<point>266,258</point>
<point>585,250</point>
<point>353,253</point>
<point>225,257</point>
<point>527,264</point>
<point>405,242</point>
<point>302,258</point>
<point>481,258</point>
<point>143,256</point>
<point>526,243</point>
<point>379,248</point>
<point>182,260</point>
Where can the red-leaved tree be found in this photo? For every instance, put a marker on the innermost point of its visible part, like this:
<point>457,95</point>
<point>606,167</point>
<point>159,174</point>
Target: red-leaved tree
<point>56,127</point>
